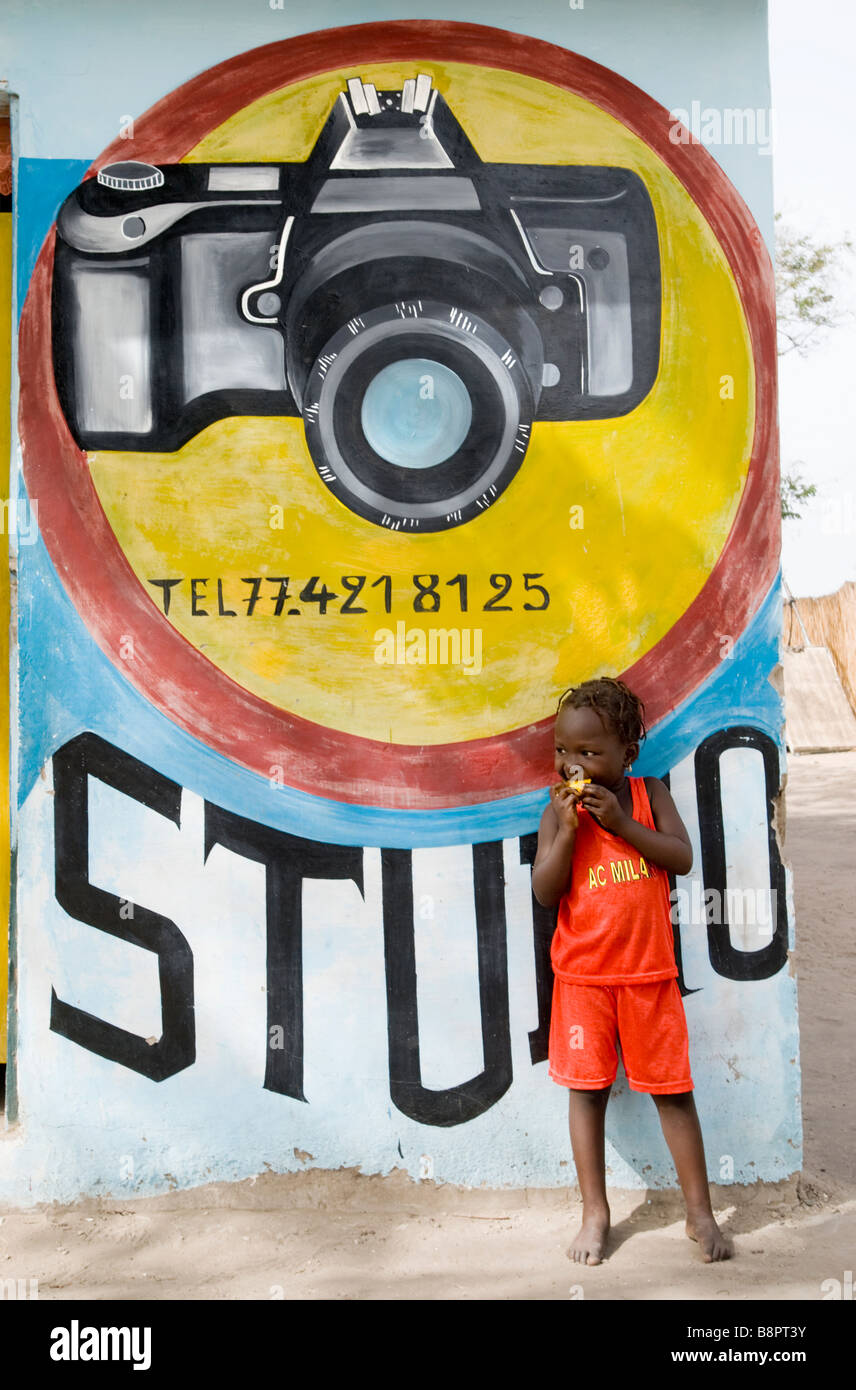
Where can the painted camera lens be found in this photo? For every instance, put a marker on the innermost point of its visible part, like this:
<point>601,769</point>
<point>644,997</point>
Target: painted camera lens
<point>416,413</point>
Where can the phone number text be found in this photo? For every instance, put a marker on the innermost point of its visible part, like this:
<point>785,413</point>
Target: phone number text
<point>279,595</point>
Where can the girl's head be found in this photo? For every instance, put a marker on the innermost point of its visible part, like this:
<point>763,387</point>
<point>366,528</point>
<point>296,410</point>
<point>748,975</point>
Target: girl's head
<point>599,727</point>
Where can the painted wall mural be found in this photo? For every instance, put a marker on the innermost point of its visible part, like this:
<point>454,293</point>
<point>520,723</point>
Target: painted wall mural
<point>375,386</point>
<point>5,390</point>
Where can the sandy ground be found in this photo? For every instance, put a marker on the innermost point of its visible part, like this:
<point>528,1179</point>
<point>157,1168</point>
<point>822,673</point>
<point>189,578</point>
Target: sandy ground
<point>344,1236</point>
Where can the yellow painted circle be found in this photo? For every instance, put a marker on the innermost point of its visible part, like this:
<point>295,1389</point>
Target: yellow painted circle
<point>622,519</point>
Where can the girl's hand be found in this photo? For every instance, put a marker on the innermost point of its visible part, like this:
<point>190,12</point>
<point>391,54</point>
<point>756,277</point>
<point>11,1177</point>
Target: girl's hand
<point>605,805</point>
<point>564,803</point>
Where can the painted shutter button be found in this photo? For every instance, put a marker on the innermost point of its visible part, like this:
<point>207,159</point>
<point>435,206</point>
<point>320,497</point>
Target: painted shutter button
<point>131,176</point>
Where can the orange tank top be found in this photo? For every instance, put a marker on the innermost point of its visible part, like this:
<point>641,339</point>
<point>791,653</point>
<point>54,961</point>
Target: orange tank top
<point>614,925</point>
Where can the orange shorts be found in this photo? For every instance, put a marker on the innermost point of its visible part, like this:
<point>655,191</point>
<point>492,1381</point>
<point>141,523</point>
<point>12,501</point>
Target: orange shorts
<point>647,1020</point>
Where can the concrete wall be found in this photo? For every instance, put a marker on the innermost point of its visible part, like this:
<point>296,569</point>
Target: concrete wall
<point>274,830</point>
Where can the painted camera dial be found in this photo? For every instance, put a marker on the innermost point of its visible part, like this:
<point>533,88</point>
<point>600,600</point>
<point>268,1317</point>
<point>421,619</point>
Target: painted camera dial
<point>130,176</point>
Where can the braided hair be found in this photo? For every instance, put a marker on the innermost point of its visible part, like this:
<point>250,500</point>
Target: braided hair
<point>617,706</point>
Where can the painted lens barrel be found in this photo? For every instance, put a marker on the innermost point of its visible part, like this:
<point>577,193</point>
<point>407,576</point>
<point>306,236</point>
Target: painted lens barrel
<point>418,415</point>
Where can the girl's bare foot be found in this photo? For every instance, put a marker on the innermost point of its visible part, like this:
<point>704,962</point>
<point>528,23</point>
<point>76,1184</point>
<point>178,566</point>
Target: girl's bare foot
<point>713,1244</point>
<point>589,1243</point>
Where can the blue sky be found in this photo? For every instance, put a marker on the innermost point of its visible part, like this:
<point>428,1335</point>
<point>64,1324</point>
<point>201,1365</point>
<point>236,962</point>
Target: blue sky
<point>811,57</point>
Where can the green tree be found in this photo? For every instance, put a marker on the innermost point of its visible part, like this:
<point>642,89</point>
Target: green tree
<point>806,272</point>
<point>794,490</point>
<point>805,287</point>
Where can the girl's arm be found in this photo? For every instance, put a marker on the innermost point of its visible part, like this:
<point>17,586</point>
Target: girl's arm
<point>556,835</point>
<point>668,845</point>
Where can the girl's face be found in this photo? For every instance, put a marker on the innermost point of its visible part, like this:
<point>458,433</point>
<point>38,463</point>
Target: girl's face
<point>582,738</point>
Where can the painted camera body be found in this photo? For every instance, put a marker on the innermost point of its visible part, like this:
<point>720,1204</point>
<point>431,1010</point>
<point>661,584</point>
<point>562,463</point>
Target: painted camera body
<point>193,292</point>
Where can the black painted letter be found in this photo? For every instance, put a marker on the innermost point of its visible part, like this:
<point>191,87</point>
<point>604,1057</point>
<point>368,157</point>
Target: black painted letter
<point>288,860</point>
<point>456,1104</point>
<point>725,958</point>
<point>90,756</point>
<point>543,928</point>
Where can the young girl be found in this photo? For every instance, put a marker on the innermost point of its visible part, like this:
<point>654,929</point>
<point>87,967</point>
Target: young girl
<point>605,849</point>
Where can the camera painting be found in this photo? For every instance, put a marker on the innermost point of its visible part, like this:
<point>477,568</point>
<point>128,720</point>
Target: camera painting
<point>349,378</point>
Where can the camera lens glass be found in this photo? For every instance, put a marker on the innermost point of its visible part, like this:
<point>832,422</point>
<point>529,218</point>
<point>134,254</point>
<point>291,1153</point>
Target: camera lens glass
<point>416,413</point>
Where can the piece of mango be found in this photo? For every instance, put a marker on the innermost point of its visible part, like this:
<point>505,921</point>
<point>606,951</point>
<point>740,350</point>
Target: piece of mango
<point>576,784</point>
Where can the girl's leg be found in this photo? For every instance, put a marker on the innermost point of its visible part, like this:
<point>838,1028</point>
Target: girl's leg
<point>682,1132</point>
<point>586,1117</point>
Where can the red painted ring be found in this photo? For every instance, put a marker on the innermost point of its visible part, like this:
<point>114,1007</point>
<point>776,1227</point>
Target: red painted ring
<point>176,677</point>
